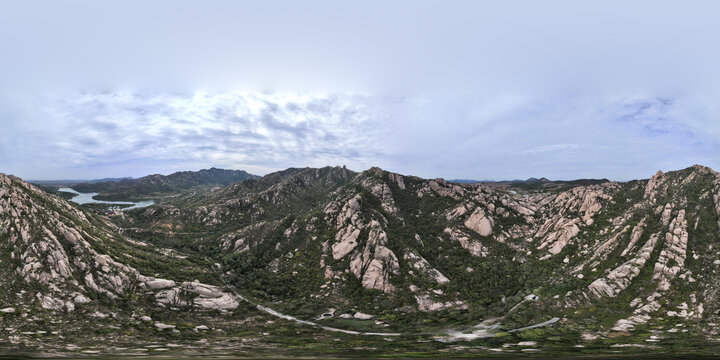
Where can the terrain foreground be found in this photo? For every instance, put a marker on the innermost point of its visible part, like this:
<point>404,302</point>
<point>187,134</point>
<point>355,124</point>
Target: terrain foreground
<point>330,262</point>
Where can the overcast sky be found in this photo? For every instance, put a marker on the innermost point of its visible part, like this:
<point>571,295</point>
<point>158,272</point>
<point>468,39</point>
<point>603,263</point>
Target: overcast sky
<point>454,89</point>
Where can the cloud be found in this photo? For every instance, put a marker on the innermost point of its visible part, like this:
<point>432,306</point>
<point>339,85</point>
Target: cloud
<point>133,134</point>
<point>507,136</point>
<point>562,137</point>
<point>463,89</point>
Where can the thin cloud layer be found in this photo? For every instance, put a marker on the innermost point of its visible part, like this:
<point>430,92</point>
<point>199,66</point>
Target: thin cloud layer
<point>92,135</point>
<point>505,137</point>
<point>458,89</point>
<point>513,137</point>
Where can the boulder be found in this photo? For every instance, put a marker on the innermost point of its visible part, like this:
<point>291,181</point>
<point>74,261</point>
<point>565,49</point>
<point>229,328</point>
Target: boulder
<point>362,316</point>
<point>162,326</point>
<point>480,223</point>
<point>348,242</point>
<point>154,283</point>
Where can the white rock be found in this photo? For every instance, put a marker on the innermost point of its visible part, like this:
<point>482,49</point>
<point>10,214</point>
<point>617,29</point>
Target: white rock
<point>362,316</point>
<point>224,302</point>
<point>50,303</point>
<point>81,299</point>
<point>159,283</point>
<point>348,242</point>
<point>422,265</point>
<point>162,326</point>
<point>480,223</point>
<point>100,315</point>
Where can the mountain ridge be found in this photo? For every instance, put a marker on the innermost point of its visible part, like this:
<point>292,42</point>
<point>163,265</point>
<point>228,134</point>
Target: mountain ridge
<point>596,265</point>
<point>158,185</point>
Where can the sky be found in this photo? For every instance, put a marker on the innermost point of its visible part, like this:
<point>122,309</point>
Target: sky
<point>455,89</point>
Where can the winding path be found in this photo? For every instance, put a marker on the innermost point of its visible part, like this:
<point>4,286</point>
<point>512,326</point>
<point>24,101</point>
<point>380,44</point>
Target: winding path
<point>309,323</point>
<point>351,332</point>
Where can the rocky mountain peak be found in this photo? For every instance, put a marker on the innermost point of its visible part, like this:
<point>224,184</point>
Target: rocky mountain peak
<point>375,170</point>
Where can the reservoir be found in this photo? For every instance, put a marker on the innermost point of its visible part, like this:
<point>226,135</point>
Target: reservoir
<point>87,198</point>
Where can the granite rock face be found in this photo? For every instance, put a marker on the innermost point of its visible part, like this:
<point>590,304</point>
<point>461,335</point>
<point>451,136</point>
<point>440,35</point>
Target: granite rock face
<point>332,236</point>
<point>480,223</point>
<point>55,246</point>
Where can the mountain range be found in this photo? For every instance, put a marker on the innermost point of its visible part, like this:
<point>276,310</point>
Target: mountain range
<point>373,263</point>
<point>156,185</point>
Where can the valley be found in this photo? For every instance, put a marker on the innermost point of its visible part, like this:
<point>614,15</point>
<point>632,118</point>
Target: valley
<point>332,262</point>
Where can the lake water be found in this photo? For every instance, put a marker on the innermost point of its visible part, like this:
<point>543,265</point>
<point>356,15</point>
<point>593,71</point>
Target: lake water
<point>87,198</point>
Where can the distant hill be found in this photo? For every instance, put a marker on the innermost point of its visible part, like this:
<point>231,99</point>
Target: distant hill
<point>111,179</point>
<point>466,181</point>
<point>68,182</point>
<point>533,182</point>
<point>160,185</point>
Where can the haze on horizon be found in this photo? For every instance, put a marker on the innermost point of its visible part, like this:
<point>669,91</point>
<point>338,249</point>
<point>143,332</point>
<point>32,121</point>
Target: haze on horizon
<point>453,89</point>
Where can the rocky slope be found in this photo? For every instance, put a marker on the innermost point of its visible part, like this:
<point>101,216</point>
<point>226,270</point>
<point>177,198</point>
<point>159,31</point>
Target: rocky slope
<point>592,263</point>
<point>60,258</point>
<point>425,244</point>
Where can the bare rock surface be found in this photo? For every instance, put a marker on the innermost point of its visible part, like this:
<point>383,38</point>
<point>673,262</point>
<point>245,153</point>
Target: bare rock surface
<point>473,246</point>
<point>192,293</point>
<point>423,266</point>
<point>427,304</point>
<point>375,263</point>
<point>620,278</point>
<point>479,222</point>
<point>672,257</point>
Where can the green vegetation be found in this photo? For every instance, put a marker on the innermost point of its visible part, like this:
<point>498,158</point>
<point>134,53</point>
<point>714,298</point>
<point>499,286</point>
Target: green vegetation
<point>159,186</point>
<point>270,239</point>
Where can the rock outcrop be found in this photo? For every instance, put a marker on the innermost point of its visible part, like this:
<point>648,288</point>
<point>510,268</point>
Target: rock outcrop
<point>56,248</point>
<point>50,243</point>
<point>557,233</point>
<point>620,278</point>
<point>672,257</point>
<point>197,294</point>
<point>350,225</point>
<point>424,267</point>
<point>473,246</point>
<point>375,263</point>
<point>479,222</point>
